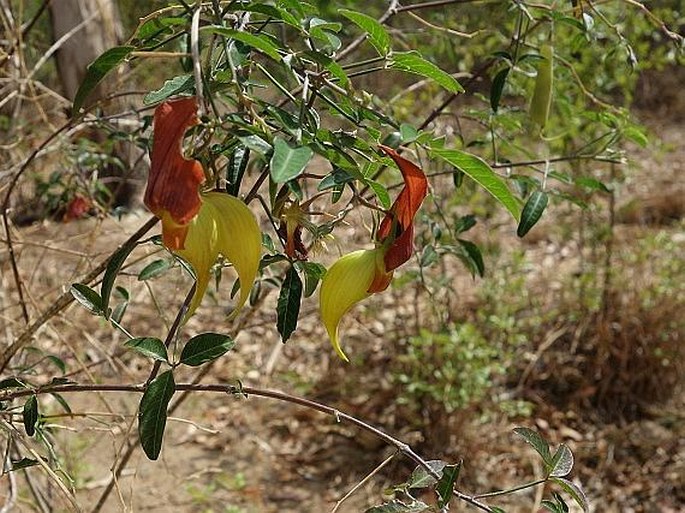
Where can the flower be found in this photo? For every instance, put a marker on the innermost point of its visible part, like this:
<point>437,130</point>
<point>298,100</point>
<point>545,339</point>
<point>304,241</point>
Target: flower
<point>173,187</point>
<point>357,275</point>
<point>197,226</point>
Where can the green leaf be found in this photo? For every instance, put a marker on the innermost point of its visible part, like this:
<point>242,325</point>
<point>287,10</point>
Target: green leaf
<point>636,135</point>
<point>397,506</point>
<point>113,267</point>
<point>288,163</point>
<point>11,383</point>
<point>119,312</point>
<point>313,272</point>
<point>412,62</point>
<point>256,144</point>
<point>378,36</point>
<point>154,269</point>
<point>61,381</point>
<point>87,297</point>
<point>57,362</point>
<point>272,12</point>
<point>288,308</point>
<point>205,347</point>
<point>532,211</point>
<point>22,463</point>
<point>497,88</point>
<point>420,478</point>
<point>97,70</point>
<point>535,439</point>
<point>408,133</point>
<point>457,178</point>
<point>576,493</point>
<point>171,87</point>
<point>445,486</point>
<point>381,193</point>
<point>472,257</point>
<point>62,401</point>
<point>464,224</point>
<point>562,462</point>
<point>261,43</point>
<point>336,177</point>
<point>151,347</point>
<point>428,256</point>
<point>479,171</point>
<point>551,506</point>
<point>152,413</point>
<point>30,415</point>
<point>235,169</point>
<point>495,509</point>
<point>591,183</point>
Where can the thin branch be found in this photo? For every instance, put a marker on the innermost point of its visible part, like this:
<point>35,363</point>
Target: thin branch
<point>173,330</point>
<point>432,5</point>
<point>366,479</point>
<point>511,490</point>
<point>195,51</point>
<point>64,300</point>
<point>338,415</point>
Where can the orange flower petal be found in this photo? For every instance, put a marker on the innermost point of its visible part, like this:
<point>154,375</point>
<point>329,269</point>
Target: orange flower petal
<point>402,212</point>
<point>173,187</point>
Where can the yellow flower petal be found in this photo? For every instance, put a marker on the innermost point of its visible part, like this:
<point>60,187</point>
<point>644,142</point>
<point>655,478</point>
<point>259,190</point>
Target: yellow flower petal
<point>226,226</point>
<point>345,284</point>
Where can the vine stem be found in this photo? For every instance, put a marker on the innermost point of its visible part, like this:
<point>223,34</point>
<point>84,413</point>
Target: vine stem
<point>339,416</point>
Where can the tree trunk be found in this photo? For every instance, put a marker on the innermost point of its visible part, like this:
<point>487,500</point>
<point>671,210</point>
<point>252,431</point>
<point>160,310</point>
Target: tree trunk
<point>92,27</point>
<point>95,27</point>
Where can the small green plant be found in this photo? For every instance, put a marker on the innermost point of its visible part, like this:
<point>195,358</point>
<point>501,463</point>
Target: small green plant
<point>454,368</point>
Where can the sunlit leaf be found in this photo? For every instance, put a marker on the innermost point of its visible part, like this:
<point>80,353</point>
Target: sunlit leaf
<point>87,297</point>
<point>377,35</point>
<point>479,171</point>
<point>412,62</point>
<point>397,506</point>
<point>562,462</point>
<point>171,87</point>
<point>535,439</point>
<point>151,347</point>
<point>381,193</point>
<point>313,273</point>
<point>420,478</point>
<point>288,163</point>
<point>261,43</point>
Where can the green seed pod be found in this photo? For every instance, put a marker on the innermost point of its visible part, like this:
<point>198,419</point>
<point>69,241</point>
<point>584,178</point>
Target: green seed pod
<point>542,96</point>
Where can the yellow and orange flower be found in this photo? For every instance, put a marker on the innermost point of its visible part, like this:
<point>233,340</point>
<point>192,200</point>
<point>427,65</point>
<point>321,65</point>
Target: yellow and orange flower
<point>357,275</point>
<point>198,226</point>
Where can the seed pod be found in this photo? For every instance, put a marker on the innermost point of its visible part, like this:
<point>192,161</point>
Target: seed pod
<point>542,96</point>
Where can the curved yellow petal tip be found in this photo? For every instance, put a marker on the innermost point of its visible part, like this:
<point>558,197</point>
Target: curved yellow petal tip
<point>346,283</point>
<point>226,226</point>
